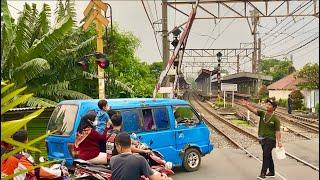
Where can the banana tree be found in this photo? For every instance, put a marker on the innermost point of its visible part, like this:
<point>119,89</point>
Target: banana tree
<point>37,55</point>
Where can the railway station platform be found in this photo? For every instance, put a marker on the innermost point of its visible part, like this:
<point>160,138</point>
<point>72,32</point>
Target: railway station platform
<point>234,164</point>
<point>246,81</point>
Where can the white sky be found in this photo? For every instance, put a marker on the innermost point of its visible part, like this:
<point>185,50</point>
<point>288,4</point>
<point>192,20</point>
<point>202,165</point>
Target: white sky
<point>130,16</point>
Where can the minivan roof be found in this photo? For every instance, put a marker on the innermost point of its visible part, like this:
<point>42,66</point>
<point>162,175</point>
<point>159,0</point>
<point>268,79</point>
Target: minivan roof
<point>130,102</point>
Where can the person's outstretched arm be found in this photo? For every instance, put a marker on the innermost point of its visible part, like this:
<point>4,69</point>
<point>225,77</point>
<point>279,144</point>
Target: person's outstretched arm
<point>249,106</point>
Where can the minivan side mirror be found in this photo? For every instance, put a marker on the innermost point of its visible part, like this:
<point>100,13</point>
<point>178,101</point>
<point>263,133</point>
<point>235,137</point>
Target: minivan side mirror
<point>134,136</point>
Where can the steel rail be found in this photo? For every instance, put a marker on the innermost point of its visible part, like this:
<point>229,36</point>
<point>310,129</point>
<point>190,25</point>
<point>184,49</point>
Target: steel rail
<point>289,129</point>
<point>309,127</point>
<point>236,144</point>
<point>256,138</point>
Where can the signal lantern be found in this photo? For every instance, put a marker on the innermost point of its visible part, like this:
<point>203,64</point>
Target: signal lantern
<point>84,64</point>
<point>175,42</point>
<point>101,60</point>
<point>102,63</point>
<point>175,63</point>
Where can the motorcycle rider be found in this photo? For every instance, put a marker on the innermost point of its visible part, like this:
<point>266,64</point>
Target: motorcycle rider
<point>116,120</point>
<point>23,161</point>
<point>127,165</point>
<point>88,140</point>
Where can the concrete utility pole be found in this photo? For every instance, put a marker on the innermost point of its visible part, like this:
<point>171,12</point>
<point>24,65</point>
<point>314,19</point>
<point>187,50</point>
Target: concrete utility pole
<point>255,20</point>
<point>238,63</point>
<point>259,64</point>
<point>219,54</point>
<point>165,41</point>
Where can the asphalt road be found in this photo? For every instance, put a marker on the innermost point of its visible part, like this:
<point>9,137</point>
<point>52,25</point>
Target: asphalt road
<point>234,164</point>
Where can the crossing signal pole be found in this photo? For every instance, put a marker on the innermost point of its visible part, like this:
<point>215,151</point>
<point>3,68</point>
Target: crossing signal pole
<point>219,54</point>
<point>93,12</point>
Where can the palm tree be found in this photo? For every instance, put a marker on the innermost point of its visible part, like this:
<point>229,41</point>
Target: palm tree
<point>40,56</point>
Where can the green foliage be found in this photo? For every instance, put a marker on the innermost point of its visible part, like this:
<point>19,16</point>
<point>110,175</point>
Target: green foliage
<point>36,55</point>
<point>8,128</point>
<point>156,69</point>
<point>304,108</point>
<point>297,99</point>
<point>256,100</point>
<point>240,122</point>
<point>219,102</point>
<point>128,69</point>
<point>283,102</point>
<point>276,68</point>
<point>309,75</point>
<point>263,92</point>
<point>45,57</point>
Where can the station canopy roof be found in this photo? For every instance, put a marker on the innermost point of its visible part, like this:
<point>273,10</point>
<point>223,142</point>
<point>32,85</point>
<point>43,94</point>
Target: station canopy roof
<point>245,76</point>
<point>203,73</point>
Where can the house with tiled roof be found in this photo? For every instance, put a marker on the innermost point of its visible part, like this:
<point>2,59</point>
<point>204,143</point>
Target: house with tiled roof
<point>283,87</point>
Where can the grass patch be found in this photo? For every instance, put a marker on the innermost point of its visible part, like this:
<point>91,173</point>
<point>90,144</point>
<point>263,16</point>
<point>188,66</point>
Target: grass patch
<point>240,122</point>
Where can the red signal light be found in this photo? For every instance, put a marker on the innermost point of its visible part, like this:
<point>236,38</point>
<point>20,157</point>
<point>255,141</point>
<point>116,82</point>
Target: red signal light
<point>102,63</point>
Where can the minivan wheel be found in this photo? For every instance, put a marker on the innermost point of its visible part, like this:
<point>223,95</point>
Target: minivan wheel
<point>191,160</point>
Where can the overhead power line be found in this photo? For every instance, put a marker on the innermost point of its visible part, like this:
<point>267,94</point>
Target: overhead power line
<point>290,35</point>
<point>295,10</point>
<point>155,8</point>
<point>216,24</point>
<point>154,31</point>
<point>304,33</point>
<point>308,52</point>
<point>295,48</point>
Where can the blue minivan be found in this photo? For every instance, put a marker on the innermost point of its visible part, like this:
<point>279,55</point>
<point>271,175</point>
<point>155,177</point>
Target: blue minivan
<point>173,128</point>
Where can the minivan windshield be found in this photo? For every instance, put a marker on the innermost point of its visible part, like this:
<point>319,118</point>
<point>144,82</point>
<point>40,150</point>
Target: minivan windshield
<point>62,119</point>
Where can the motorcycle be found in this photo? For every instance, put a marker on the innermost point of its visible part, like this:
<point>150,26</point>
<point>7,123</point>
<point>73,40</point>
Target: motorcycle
<point>155,160</point>
<point>86,170</point>
<point>61,166</point>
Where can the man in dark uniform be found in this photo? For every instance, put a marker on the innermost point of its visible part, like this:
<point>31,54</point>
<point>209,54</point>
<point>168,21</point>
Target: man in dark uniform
<point>289,104</point>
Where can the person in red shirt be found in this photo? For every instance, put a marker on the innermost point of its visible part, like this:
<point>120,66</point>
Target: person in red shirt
<point>87,140</point>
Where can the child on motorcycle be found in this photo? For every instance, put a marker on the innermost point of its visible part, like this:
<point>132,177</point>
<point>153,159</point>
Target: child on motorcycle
<point>22,161</point>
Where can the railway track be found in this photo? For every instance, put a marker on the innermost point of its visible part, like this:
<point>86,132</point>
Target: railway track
<point>252,136</point>
<point>307,121</point>
<point>300,118</point>
<point>234,134</point>
<point>311,124</point>
<point>309,127</point>
<point>290,129</point>
<point>283,111</point>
